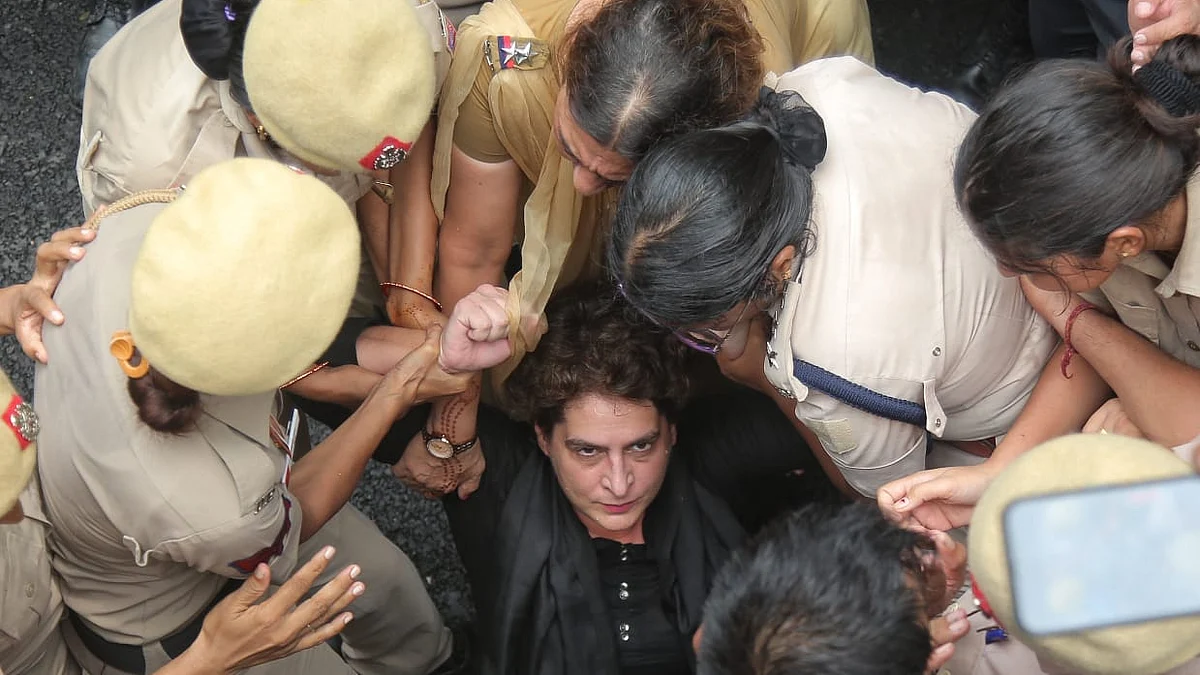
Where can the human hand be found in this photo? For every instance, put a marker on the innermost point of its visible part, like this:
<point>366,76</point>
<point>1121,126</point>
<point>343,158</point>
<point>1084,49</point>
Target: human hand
<point>1053,306</point>
<point>434,478</point>
<point>936,499</point>
<point>241,632</point>
<point>476,335</point>
<point>746,365</point>
<point>31,303</point>
<point>418,378</point>
<point>1111,418</point>
<point>1153,22</point>
<point>944,631</point>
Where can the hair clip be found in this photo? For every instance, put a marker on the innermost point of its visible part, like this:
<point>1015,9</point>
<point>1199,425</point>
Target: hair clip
<point>230,15</point>
<point>122,347</point>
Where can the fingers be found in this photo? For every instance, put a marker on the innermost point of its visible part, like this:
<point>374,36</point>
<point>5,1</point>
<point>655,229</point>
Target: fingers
<point>322,633</point>
<point>1147,40</point>
<point>28,330</point>
<point>896,499</point>
<point>252,588</point>
<point>952,556</point>
<point>418,360</point>
<point>302,579</point>
<point>469,486</point>
<point>328,603</point>
<point>63,247</point>
<point>943,632</point>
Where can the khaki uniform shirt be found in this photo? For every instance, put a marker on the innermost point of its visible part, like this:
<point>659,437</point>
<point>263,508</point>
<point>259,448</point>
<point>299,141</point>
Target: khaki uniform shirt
<point>1160,301</point>
<point>897,295</point>
<point>152,120</point>
<point>147,526</point>
<point>30,602</point>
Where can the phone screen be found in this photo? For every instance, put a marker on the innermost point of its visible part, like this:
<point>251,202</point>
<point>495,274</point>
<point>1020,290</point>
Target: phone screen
<point>1104,557</point>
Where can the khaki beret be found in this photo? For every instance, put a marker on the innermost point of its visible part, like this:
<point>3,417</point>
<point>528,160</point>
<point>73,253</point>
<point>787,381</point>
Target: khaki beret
<point>245,279</point>
<point>341,84</point>
<point>18,447</point>
<point>1067,464</point>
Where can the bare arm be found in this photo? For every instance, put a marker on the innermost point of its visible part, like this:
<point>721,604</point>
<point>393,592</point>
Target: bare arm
<point>1056,407</point>
<point>1159,393</point>
<point>412,242</point>
<point>477,231</point>
<point>323,480</point>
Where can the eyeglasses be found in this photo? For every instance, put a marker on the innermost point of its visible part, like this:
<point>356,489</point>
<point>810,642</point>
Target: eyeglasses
<point>706,340</point>
<point>709,340</point>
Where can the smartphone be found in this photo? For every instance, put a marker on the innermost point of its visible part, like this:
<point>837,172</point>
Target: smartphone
<point>1106,556</point>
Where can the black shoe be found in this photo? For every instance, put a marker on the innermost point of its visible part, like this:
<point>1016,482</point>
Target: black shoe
<point>103,23</point>
<point>459,662</point>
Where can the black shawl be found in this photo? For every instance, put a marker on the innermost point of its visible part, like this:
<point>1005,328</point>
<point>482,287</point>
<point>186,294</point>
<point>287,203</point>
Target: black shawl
<point>548,616</point>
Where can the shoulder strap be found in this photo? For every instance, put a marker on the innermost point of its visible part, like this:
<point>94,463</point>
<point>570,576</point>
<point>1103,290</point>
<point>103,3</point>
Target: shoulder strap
<point>858,396</point>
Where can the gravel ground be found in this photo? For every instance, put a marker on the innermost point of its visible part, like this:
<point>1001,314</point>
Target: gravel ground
<point>918,40</point>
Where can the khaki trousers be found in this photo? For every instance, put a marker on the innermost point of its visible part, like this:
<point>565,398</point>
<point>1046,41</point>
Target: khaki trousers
<point>397,630</point>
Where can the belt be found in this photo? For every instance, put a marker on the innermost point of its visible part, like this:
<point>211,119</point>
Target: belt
<point>132,658</point>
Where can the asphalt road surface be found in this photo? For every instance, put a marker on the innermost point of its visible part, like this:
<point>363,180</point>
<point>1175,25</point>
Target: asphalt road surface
<point>921,41</point>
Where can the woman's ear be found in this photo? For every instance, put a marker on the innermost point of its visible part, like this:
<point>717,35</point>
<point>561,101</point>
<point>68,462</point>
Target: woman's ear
<point>782,265</point>
<point>1126,241</point>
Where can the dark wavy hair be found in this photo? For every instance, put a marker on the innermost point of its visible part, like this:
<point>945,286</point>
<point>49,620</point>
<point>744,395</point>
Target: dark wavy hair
<point>704,214</point>
<point>824,590</point>
<point>596,344</point>
<point>214,33</point>
<point>1071,150</point>
<point>639,71</point>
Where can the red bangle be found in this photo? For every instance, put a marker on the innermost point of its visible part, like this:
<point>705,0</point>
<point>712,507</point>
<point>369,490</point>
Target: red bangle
<point>391,284</point>
<point>1082,307</point>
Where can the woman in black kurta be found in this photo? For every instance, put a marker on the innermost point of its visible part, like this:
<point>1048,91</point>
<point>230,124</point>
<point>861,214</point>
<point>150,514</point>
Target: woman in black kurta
<point>567,582</point>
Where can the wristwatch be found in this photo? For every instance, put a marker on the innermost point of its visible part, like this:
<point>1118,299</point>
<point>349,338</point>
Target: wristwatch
<point>441,447</point>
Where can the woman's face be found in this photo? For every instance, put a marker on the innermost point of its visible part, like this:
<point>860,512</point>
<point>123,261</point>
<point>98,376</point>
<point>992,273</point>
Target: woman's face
<point>597,168</point>
<point>610,455</point>
<point>1066,272</point>
<point>727,335</point>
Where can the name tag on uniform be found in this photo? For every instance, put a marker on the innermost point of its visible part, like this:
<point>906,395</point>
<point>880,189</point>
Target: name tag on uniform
<point>284,438</point>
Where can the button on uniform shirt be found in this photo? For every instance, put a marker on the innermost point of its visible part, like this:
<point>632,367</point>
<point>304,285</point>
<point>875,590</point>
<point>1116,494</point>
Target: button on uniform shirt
<point>1159,300</point>
<point>897,295</point>
<point>147,526</point>
<point>30,603</point>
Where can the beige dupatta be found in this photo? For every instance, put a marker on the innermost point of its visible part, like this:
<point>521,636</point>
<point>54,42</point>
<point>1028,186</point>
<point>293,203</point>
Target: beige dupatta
<point>563,230</point>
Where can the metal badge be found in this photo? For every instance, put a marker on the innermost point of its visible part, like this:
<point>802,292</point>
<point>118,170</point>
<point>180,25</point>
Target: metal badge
<point>20,417</point>
<point>505,52</point>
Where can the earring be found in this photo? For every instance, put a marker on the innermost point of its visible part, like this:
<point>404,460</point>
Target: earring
<point>262,133</point>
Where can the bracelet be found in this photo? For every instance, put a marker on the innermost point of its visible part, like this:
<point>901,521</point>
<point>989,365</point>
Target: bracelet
<point>1066,358</point>
<point>391,284</point>
<point>303,375</point>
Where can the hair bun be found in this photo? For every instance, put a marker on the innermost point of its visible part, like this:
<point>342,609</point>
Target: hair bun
<point>208,28</point>
<point>799,128</point>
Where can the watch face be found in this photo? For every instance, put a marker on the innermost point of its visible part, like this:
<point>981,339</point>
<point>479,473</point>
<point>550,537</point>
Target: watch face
<point>440,448</point>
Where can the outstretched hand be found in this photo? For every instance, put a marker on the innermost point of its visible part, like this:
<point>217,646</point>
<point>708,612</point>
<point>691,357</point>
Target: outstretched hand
<point>30,304</point>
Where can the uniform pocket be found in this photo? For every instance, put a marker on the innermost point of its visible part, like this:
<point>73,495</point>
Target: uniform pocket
<point>1143,320</point>
<point>97,185</point>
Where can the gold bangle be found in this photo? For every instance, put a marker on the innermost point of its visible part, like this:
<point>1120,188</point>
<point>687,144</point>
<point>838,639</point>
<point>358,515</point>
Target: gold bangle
<point>303,375</point>
<point>391,284</point>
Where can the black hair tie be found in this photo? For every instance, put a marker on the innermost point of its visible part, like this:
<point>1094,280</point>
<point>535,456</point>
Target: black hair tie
<point>1170,88</point>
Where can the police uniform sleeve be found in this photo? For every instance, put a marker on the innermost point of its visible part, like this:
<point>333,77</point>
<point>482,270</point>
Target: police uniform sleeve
<point>474,131</point>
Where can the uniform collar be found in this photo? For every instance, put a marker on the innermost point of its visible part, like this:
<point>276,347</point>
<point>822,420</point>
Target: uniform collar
<point>1184,277</point>
<point>248,415</point>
